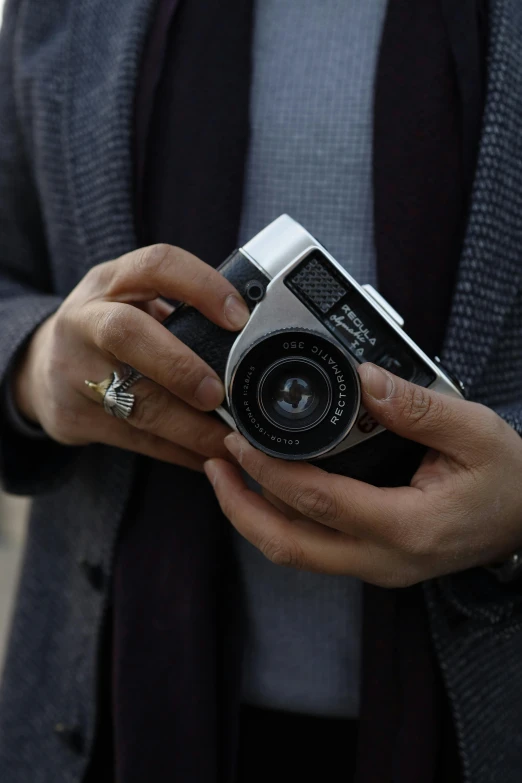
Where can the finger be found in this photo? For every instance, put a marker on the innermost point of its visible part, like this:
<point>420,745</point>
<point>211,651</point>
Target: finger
<point>284,508</point>
<point>124,437</point>
<point>170,272</point>
<point>94,425</point>
<point>464,431</point>
<point>164,416</point>
<point>132,337</point>
<point>342,503</point>
<point>159,309</point>
<point>302,544</point>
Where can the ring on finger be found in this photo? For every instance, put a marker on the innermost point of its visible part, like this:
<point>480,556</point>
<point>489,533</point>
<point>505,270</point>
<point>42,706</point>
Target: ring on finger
<point>114,391</point>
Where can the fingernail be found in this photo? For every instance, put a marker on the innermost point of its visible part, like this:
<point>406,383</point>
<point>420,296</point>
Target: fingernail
<point>236,311</point>
<point>376,382</point>
<point>211,471</point>
<point>236,445</point>
<point>209,393</point>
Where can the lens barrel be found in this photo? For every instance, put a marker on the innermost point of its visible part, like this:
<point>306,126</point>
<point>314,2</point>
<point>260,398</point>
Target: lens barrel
<point>295,395</point>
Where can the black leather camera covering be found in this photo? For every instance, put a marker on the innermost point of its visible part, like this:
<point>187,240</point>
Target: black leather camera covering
<point>209,341</point>
<point>386,460</point>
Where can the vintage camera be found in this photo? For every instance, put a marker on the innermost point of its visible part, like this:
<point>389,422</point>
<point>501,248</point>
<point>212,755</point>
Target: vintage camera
<point>290,376</point>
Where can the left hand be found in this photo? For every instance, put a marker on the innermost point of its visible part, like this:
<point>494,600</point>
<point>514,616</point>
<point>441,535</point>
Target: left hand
<point>462,509</point>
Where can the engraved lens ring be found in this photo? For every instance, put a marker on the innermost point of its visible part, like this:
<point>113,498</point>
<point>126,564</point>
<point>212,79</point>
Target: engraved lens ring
<point>294,394</point>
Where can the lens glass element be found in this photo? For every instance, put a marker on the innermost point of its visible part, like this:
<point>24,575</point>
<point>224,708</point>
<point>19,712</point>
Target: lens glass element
<point>294,397</point>
<point>295,393</point>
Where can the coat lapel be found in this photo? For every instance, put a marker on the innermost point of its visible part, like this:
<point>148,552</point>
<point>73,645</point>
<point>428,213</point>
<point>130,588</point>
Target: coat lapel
<point>490,272</point>
<point>107,40</point>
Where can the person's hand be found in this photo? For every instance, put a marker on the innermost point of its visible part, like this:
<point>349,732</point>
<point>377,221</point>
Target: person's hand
<point>112,319</point>
<point>462,509</point>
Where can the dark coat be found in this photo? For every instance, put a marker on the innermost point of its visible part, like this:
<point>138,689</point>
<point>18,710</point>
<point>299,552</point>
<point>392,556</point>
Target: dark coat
<point>68,72</point>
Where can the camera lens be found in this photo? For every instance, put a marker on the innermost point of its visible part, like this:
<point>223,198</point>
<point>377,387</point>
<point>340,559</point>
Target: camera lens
<point>294,397</point>
<point>295,394</point>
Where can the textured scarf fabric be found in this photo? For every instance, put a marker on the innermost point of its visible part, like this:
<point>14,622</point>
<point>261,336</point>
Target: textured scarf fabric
<point>191,162</point>
<point>176,652</point>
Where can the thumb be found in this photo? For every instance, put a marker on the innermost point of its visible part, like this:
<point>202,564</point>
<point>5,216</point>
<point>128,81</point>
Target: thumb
<point>448,424</point>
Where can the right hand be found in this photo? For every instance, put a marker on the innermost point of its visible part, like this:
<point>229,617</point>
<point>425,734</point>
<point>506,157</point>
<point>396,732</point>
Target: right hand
<point>112,318</point>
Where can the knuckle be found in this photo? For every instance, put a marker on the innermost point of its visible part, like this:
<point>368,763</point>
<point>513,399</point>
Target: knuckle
<point>417,536</point>
<point>208,442</point>
<point>390,569</point>
<point>179,370</point>
<point>111,332</point>
<point>259,469</point>
<point>206,437</point>
<point>415,543</point>
<point>418,406</point>
<point>317,503</point>
<point>206,278</point>
<point>283,552</point>
<point>150,411</point>
<point>153,260</point>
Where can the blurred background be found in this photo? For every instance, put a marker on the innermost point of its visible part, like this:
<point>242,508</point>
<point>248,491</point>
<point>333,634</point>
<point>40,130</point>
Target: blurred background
<point>13,513</point>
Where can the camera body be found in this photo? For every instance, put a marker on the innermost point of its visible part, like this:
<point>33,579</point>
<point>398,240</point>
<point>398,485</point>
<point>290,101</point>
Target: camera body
<point>291,381</point>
